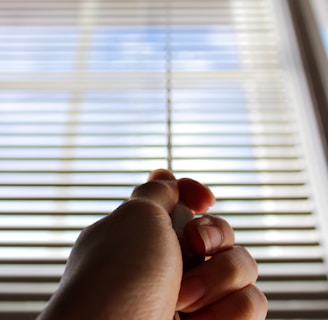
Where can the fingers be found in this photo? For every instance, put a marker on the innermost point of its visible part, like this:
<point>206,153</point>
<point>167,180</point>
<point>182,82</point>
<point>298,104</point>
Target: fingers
<point>160,192</point>
<point>226,272</point>
<point>195,195</point>
<point>209,234</point>
<point>248,303</point>
<point>212,289</point>
<point>180,217</point>
<point>130,256</point>
<point>163,189</point>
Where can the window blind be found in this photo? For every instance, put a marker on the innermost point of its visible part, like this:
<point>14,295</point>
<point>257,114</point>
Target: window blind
<point>95,94</point>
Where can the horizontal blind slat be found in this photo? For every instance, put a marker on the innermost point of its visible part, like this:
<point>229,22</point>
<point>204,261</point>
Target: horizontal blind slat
<point>78,129</point>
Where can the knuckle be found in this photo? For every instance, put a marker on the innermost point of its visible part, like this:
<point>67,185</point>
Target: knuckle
<point>234,272</point>
<point>248,303</point>
<point>141,207</point>
<point>241,267</point>
<point>249,262</point>
<point>90,231</point>
<point>150,187</point>
<point>164,193</point>
<point>252,303</point>
<point>228,233</point>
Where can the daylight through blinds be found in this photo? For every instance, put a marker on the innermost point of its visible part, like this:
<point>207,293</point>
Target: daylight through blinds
<point>95,94</point>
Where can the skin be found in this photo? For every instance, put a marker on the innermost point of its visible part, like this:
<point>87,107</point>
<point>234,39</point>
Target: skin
<point>128,265</point>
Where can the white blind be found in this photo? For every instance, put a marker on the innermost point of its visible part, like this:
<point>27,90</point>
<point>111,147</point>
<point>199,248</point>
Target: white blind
<point>95,94</point>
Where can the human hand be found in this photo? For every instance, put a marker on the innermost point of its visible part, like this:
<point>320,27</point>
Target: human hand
<point>128,265</point>
<point>222,287</point>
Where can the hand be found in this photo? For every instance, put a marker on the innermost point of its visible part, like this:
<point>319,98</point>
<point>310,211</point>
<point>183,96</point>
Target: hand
<point>222,287</point>
<point>128,265</point>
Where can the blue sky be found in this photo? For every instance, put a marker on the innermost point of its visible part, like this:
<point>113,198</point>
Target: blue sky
<point>119,49</point>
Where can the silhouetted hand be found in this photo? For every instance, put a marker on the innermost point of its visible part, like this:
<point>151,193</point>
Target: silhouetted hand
<point>129,265</point>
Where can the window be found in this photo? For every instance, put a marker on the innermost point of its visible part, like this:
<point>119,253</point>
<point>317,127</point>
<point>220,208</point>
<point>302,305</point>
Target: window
<point>96,93</point>
<point>320,9</point>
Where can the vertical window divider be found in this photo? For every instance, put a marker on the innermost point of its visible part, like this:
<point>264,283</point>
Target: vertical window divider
<point>168,76</point>
<point>96,93</point>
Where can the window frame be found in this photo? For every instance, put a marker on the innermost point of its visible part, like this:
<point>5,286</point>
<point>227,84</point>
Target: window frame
<point>309,118</point>
<point>314,61</point>
<point>308,58</point>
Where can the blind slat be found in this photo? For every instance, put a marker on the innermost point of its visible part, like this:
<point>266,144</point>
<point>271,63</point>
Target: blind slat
<point>96,93</point>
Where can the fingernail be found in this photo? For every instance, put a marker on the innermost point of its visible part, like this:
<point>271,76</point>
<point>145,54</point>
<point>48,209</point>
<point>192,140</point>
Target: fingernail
<point>192,289</point>
<point>211,236</point>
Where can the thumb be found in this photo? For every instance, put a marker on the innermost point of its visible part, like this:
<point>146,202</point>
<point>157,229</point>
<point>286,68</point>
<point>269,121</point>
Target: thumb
<point>127,265</point>
<point>145,275</point>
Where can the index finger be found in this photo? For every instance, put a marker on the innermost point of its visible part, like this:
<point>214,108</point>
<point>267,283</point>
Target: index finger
<point>164,193</point>
<point>196,196</point>
<point>164,189</point>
